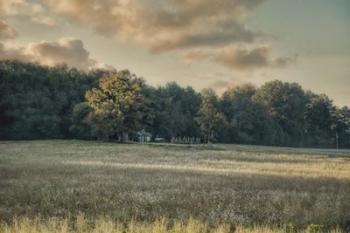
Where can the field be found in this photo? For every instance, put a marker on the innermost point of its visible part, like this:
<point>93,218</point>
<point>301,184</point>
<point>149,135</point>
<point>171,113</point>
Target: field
<point>231,185</point>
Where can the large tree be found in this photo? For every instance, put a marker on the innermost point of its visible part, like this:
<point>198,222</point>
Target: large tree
<point>174,111</point>
<point>320,120</point>
<point>286,105</point>
<point>247,120</point>
<point>116,105</point>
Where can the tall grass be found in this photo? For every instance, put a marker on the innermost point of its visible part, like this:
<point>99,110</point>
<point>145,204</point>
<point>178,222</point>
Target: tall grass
<point>107,225</point>
<point>238,185</point>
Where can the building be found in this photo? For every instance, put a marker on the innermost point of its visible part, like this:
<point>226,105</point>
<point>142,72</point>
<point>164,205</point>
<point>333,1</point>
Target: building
<point>144,136</point>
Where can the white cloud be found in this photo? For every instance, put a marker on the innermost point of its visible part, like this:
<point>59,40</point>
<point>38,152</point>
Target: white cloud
<point>33,10</point>
<point>68,51</point>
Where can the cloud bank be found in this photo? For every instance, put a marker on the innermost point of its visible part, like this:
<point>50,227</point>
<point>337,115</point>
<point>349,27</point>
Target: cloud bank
<point>259,57</point>
<point>202,29</point>
<point>240,58</point>
<point>29,9</point>
<point>68,51</point>
<point>163,25</point>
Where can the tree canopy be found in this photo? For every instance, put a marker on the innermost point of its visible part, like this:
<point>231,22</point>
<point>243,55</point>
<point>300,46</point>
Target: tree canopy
<point>38,102</point>
<point>116,104</point>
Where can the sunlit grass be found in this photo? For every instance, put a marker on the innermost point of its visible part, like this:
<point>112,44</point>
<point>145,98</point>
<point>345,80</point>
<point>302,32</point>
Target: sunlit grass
<point>312,169</point>
<point>107,225</point>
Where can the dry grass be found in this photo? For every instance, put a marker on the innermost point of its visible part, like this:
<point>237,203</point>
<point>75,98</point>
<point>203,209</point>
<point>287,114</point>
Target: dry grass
<point>309,169</point>
<point>107,225</point>
<point>233,184</point>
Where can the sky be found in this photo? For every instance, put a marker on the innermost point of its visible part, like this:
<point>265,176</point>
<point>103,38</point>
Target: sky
<point>202,43</point>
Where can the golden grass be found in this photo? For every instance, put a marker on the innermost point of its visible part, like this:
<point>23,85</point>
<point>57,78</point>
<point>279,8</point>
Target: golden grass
<point>107,225</point>
<point>336,168</point>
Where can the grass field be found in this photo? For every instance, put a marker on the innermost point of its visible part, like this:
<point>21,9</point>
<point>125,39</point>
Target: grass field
<point>228,184</point>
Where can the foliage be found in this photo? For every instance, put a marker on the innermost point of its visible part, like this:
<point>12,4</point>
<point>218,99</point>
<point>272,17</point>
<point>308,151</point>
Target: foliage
<point>247,119</point>
<point>116,104</point>
<point>81,124</point>
<point>314,228</point>
<point>286,105</point>
<point>210,117</point>
<point>174,111</point>
<point>39,102</point>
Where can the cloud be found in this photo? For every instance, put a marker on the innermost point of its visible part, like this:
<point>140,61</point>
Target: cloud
<point>196,55</point>
<point>163,25</point>
<point>44,20</point>
<point>259,57</point>
<point>204,29</point>
<point>13,53</point>
<point>239,58</point>
<point>220,85</point>
<point>68,51</point>
<point>30,9</point>
<point>6,32</point>
<point>242,58</point>
<point>284,61</point>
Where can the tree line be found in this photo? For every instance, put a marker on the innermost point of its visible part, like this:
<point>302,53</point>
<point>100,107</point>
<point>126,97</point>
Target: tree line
<point>38,102</point>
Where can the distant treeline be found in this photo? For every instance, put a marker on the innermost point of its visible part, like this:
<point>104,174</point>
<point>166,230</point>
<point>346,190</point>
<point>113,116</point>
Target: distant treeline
<point>39,102</point>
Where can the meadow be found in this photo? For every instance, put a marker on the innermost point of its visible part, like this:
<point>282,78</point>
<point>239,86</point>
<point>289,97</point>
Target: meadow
<point>170,188</point>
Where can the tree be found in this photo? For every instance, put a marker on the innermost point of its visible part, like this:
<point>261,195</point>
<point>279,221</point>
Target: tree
<point>36,102</point>
<point>116,104</point>
<point>320,120</point>
<point>211,120</point>
<point>246,119</point>
<point>286,105</point>
<point>174,111</point>
<point>341,127</point>
<point>81,124</point>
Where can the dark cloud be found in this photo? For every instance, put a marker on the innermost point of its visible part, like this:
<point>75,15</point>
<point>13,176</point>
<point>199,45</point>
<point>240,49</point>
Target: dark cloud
<point>284,61</point>
<point>240,59</point>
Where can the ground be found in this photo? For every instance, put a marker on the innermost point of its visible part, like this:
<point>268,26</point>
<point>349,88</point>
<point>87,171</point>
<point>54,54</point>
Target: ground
<point>235,184</point>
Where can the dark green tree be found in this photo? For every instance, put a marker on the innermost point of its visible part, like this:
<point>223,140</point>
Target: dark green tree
<point>211,119</point>
<point>247,120</point>
<point>81,126</point>
<point>320,120</point>
<point>37,102</point>
<point>286,105</point>
<point>175,110</point>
